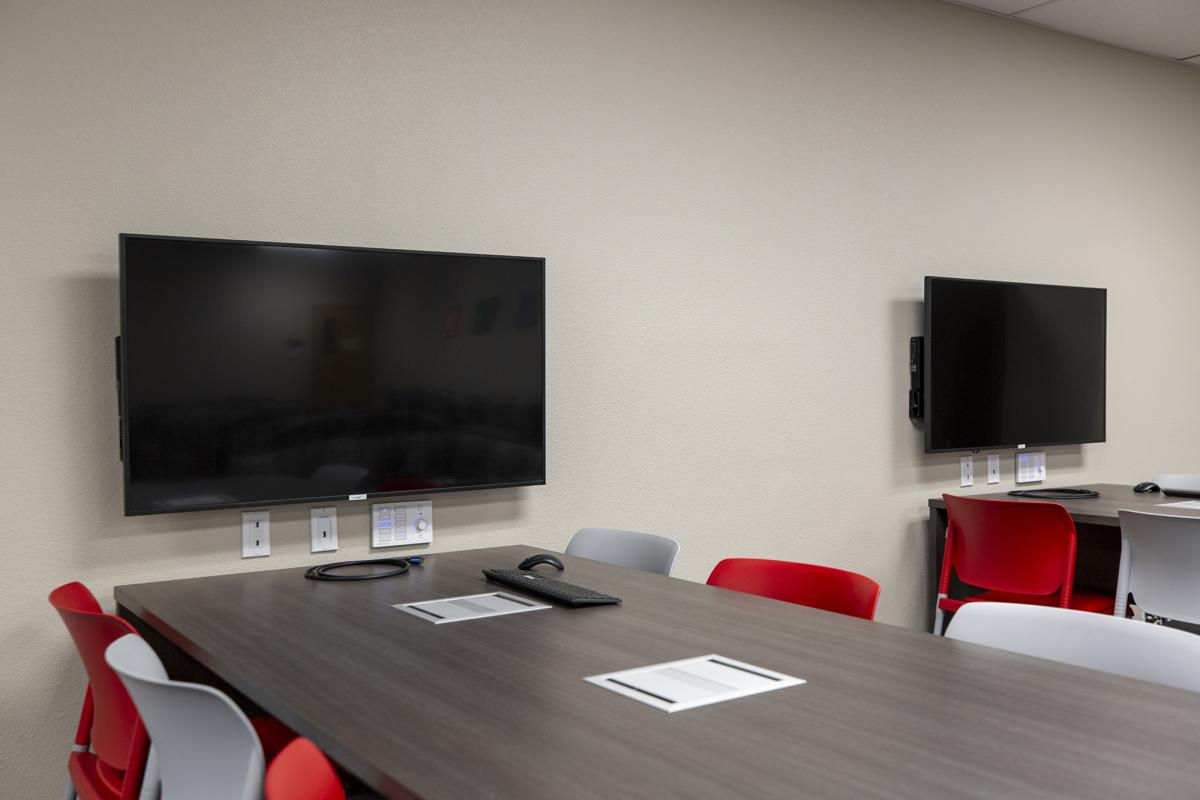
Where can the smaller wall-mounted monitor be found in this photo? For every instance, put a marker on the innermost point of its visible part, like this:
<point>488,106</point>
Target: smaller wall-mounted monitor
<point>1010,364</point>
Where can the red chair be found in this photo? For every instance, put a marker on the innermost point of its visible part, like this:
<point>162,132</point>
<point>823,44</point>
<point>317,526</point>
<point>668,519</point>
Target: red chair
<point>301,772</point>
<point>109,724</point>
<point>1017,551</point>
<point>810,585</point>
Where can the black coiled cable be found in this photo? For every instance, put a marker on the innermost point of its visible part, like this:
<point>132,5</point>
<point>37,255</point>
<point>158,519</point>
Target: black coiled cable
<point>324,572</point>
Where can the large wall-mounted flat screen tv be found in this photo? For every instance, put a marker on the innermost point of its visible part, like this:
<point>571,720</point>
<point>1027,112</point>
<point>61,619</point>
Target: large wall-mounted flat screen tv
<point>1010,364</point>
<point>254,373</point>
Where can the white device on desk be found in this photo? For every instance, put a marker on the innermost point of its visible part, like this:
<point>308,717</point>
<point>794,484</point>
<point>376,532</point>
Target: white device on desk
<point>403,523</point>
<point>472,606</point>
<point>692,682</point>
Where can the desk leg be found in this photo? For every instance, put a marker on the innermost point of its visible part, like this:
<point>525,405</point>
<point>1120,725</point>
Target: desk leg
<point>937,534</point>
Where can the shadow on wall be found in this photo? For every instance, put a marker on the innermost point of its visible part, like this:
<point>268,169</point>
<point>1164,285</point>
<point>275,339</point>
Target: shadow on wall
<point>94,476</point>
<point>60,675</point>
<point>913,466</point>
<point>917,533</point>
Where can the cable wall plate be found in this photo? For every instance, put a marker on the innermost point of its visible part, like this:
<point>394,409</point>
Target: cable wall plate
<point>693,682</point>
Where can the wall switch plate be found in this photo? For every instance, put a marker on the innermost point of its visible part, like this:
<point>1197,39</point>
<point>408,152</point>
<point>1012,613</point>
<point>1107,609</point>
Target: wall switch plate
<point>256,534</point>
<point>994,468</point>
<point>966,471</point>
<point>1031,467</point>
<point>324,529</point>
<point>399,524</point>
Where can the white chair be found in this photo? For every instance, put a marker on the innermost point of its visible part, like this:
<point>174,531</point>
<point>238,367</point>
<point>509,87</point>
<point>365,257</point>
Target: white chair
<point>644,551</point>
<point>206,746</point>
<point>1160,561</point>
<point>1084,639</point>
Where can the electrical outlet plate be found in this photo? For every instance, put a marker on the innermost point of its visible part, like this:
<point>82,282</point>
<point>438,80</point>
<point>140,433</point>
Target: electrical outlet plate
<point>966,471</point>
<point>256,534</point>
<point>323,522</point>
<point>994,468</point>
<point>402,524</point>
<point>1031,466</point>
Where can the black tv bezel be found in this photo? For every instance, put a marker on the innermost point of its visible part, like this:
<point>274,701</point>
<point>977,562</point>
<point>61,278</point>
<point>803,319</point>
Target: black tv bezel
<point>123,366</point>
<point>930,401</point>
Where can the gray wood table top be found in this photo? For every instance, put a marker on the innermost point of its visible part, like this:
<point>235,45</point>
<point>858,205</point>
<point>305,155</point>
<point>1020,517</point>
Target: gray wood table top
<point>1100,510</point>
<point>499,708</point>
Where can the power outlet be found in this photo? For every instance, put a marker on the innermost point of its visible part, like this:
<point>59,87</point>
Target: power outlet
<point>256,534</point>
<point>994,468</point>
<point>324,529</point>
<point>966,471</point>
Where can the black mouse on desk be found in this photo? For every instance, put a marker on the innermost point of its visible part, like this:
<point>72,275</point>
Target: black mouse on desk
<point>1146,486</point>
<point>540,558</point>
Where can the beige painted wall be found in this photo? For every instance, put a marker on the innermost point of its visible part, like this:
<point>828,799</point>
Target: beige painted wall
<point>737,200</point>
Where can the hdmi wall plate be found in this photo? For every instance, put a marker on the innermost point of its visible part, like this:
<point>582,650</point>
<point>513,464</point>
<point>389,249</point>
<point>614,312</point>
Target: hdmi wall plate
<point>323,529</point>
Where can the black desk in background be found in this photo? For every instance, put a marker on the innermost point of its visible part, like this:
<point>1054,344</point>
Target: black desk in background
<point>499,707</point>
<point>1097,526</point>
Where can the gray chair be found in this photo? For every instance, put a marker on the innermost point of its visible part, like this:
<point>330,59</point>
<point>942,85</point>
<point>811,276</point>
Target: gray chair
<point>205,745</point>
<point>644,551</point>
<point>1160,558</point>
<point>1084,639</point>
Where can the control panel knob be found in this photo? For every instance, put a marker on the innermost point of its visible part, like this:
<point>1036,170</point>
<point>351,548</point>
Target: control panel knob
<point>420,524</point>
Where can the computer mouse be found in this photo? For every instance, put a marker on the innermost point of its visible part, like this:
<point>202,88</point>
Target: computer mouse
<point>1146,486</point>
<point>540,558</point>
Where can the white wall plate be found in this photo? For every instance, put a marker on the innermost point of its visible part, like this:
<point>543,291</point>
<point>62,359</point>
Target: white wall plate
<point>993,461</point>
<point>323,529</point>
<point>256,534</point>
<point>1031,466</point>
<point>402,523</point>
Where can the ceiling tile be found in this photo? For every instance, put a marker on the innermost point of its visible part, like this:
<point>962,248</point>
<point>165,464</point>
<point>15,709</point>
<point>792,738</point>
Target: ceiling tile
<point>1164,27</point>
<point>999,6</point>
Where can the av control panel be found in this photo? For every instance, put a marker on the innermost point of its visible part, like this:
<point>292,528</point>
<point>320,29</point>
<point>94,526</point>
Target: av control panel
<point>406,523</point>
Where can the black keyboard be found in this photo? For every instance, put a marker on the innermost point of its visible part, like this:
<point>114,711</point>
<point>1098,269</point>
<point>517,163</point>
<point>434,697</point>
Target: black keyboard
<point>565,593</point>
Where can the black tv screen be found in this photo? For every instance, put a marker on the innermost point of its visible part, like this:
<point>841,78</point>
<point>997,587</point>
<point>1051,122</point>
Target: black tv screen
<point>254,373</point>
<point>1009,364</point>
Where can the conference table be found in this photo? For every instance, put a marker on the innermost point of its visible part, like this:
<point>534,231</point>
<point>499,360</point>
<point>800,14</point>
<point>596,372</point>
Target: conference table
<point>499,707</point>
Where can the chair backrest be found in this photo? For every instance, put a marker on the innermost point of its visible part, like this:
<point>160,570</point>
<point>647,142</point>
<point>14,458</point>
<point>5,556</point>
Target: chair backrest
<point>1084,639</point>
<point>826,588</point>
<point>1009,545</point>
<point>117,736</point>
<point>644,551</point>
<point>206,746</point>
<point>301,772</point>
<point>1160,559</point>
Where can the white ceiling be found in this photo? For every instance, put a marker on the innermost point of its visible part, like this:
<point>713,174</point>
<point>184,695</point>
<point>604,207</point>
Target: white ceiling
<point>1164,28</point>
